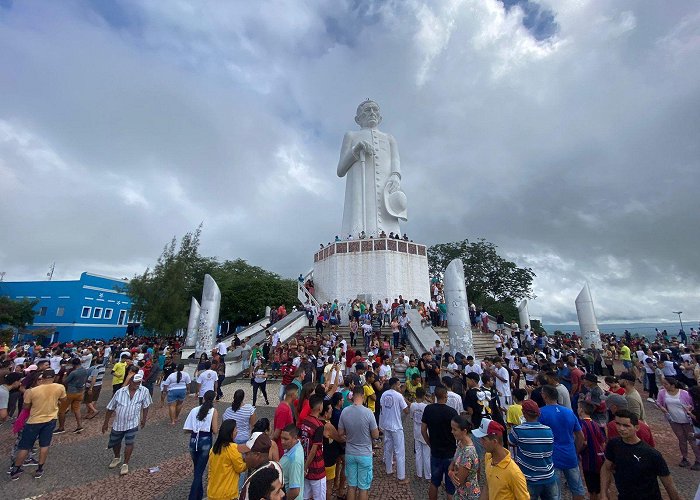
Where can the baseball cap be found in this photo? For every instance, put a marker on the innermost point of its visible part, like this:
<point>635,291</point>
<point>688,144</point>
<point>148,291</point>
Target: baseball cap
<point>529,406</point>
<point>488,428</point>
<point>30,368</point>
<point>137,378</point>
<point>617,400</point>
<point>258,442</point>
<point>590,377</point>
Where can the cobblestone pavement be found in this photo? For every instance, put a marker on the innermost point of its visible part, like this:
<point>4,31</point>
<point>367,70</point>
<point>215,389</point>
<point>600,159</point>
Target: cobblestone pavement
<point>77,464</point>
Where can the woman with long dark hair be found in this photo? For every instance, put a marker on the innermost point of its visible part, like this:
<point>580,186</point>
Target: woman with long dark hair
<point>243,414</point>
<point>177,385</point>
<point>464,469</point>
<point>225,464</point>
<point>202,423</point>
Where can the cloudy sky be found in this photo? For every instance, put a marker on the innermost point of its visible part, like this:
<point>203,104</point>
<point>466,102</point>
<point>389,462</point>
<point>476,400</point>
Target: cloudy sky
<point>565,132</point>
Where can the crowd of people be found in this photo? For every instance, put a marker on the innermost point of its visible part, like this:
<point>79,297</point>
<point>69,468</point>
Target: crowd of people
<point>541,415</point>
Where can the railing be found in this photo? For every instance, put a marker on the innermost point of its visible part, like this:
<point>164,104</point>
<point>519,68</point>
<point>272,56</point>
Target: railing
<point>304,295</point>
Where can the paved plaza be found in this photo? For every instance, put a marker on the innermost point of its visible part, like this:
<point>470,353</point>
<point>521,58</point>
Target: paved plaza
<point>77,464</point>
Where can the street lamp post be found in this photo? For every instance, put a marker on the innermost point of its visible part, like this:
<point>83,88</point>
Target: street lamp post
<point>679,317</point>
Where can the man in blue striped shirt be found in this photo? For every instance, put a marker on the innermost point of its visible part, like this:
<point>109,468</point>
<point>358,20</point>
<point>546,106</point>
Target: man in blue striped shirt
<point>534,443</point>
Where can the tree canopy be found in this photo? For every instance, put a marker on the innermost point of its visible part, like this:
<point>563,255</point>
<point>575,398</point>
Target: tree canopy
<point>15,313</point>
<point>492,281</point>
<point>162,294</point>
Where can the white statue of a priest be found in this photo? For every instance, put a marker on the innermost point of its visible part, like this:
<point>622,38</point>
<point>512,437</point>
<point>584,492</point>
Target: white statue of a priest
<point>374,202</point>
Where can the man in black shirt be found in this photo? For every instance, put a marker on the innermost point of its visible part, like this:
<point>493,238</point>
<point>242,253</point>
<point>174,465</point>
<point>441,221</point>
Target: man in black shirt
<point>432,372</point>
<point>636,464</point>
<point>476,403</point>
<point>436,430</point>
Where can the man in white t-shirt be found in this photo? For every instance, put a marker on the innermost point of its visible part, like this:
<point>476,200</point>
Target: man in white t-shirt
<point>502,382</point>
<point>499,344</point>
<point>393,406</point>
<point>207,380</point>
<point>222,349</point>
<point>473,367</point>
<point>275,338</point>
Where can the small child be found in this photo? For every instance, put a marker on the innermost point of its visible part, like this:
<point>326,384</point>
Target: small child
<point>421,447</point>
<point>515,411</point>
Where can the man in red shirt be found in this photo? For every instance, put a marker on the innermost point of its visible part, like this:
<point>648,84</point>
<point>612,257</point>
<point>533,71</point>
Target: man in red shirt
<point>288,372</point>
<point>284,414</point>
<point>311,436</point>
<point>616,402</point>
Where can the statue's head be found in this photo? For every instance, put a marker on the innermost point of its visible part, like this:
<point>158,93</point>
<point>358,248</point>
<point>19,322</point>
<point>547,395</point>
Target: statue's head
<point>368,114</point>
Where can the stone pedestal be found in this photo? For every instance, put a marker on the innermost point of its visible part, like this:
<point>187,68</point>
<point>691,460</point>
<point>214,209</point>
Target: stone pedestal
<point>375,268</point>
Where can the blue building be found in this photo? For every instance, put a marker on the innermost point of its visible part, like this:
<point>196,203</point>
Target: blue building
<point>92,307</point>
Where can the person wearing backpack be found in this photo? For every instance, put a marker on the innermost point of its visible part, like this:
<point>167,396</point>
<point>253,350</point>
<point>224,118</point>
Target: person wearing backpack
<point>593,452</point>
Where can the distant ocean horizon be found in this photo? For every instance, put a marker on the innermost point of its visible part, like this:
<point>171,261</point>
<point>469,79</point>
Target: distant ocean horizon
<point>643,329</point>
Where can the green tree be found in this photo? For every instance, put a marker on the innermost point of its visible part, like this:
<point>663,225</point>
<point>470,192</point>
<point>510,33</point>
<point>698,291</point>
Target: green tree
<point>492,281</point>
<point>246,290</point>
<point>17,313</point>
<point>162,295</point>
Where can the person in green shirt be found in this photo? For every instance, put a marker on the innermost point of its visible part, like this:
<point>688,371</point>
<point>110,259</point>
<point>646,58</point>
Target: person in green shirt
<point>442,311</point>
<point>412,369</point>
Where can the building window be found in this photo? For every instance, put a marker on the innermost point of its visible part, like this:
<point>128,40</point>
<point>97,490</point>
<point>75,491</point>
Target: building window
<point>42,311</point>
<point>60,311</point>
<point>86,312</point>
<point>97,313</point>
<point>108,314</point>
<point>122,317</point>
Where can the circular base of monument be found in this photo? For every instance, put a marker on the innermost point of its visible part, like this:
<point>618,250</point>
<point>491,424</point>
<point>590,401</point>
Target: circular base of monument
<point>373,269</point>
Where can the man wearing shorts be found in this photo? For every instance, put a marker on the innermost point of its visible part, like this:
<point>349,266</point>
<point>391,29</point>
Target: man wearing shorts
<point>42,401</point>
<point>130,405</point>
<point>436,430</point>
<point>358,426</point>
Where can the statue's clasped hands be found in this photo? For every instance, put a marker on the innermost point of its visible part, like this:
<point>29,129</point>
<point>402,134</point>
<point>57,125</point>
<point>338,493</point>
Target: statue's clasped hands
<point>361,146</point>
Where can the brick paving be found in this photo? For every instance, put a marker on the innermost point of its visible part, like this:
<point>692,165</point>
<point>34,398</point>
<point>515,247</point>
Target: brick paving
<point>77,464</point>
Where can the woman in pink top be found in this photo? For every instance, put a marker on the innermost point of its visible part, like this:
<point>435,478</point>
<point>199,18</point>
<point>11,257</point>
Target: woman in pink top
<point>677,405</point>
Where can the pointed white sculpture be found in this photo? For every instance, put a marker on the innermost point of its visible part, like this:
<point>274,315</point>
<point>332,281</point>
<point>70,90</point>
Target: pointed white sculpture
<point>208,317</point>
<point>587,321</point>
<point>458,324</point>
<point>192,324</point>
<point>523,313</point>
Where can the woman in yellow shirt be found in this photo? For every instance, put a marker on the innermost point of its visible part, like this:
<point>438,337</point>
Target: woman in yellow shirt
<point>225,464</point>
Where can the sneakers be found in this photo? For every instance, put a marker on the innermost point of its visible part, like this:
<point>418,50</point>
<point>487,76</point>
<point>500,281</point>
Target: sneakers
<point>30,462</point>
<point>78,430</point>
<point>38,473</point>
<point>115,462</point>
<point>58,431</point>
<point>696,466</point>
<point>651,400</point>
<point>684,463</point>
<point>16,473</point>
<point>124,470</point>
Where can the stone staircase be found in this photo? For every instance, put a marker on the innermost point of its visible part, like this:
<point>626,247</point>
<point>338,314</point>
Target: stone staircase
<point>483,342</point>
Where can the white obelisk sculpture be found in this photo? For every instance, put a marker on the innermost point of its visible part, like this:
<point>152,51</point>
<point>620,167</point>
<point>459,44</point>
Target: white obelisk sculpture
<point>208,317</point>
<point>587,320</point>
<point>523,313</point>
<point>458,324</point>
<point>192,324</point>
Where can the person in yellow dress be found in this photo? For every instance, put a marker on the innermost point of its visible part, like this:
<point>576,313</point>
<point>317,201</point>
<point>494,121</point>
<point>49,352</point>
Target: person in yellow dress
<point>225,464</point>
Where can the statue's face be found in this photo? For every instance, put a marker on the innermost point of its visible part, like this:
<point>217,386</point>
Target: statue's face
<point>368,115</point>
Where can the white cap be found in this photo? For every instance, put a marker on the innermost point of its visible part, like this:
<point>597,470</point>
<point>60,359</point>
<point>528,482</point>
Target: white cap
<point>137,378</point>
